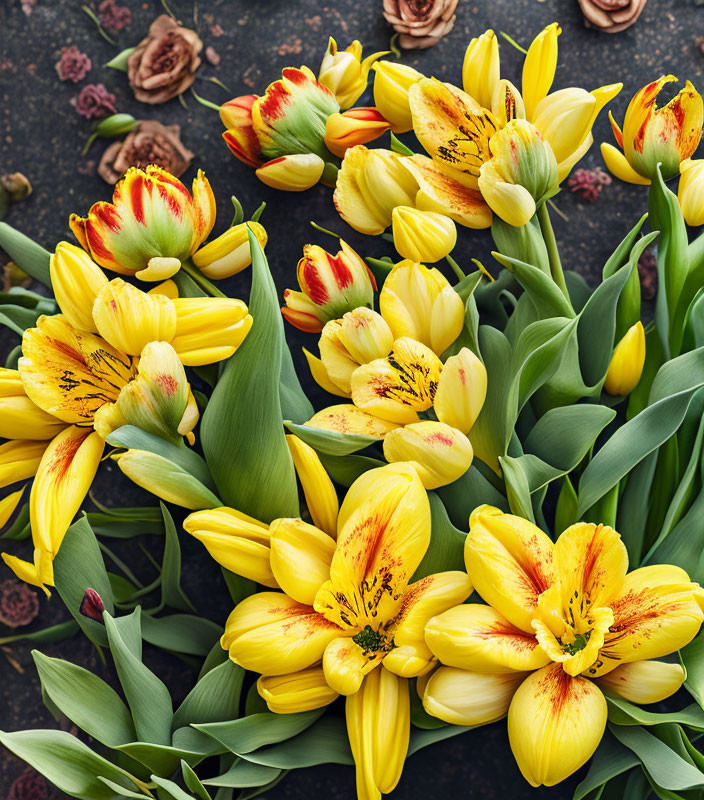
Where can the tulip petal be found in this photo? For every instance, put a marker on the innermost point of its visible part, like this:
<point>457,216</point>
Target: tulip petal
<point>477,638</point>
<point>209,329</point>
<point>345,664</point>
<point>8,505</point>
<point>460,697</point>
<point>346,418</point>
<point>296,692</point>
<point>461,390</point>
<point>27,571</point>
<point>555,723</point>
<point>643,682</point>
<point>318,370</point>
<point>300,557</point>
<point>619,167</point>
<point>19,460</point>
<point>320,494</point>
<point>539,67</point>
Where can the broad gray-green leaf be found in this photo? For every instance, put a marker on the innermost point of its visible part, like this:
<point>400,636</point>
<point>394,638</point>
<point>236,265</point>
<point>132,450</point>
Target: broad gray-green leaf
<point>517,488</point>
<point>621,712</point>
<point>181,633</point>
<point>345,470</point>
<point>243,774</point>
<point>172,594</point>
<point>215,698</point>
<point>193,782</point>
<point>544,293</point>
<point>446,550</point>
<point>611,759</point>
<point>27,254</point>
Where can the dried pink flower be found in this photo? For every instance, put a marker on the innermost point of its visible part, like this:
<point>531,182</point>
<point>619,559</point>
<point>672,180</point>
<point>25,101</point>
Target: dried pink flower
<point>94,101</point>
<point>420,23</point>
<point>648,272</point>
<point>30,785</point>
<point>27,6</point>
<point>73,64</point>
<point>588,183</point>
<point>212,56</point>
<point>611,16</point>
<point>18,603</point>
<point>113,16</point>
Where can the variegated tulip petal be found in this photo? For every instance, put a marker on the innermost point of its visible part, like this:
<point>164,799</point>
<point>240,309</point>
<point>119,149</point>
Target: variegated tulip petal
<point>555,723</point>
<point>365,335</point>
<point>346,663</point>
<point>71,373</point>
<point>338,362</point>
<point>19,459</point>
<point>296,692</point>
<point>618,166</point>
<point>460,697</point>
<point>509,561</point>
<point>398,386</point>
<point>643,682</point>
<point>476,637</point>
<point>63,479</point>
<point>272,634</point>
<point>203,208</point>
<point>346,418</point>
<point>300,557</point>
<point>657,611</point>
<point>383,533</point>
<point>378,726</point>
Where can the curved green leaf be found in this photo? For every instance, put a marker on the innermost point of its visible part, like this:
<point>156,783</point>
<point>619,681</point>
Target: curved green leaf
<point>27,254</point>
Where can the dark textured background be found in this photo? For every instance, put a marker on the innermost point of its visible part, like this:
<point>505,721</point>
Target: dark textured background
<point>42,136</point>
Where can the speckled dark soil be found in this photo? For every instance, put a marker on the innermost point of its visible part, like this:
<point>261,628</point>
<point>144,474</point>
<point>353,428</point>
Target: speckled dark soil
<point>42,136</point>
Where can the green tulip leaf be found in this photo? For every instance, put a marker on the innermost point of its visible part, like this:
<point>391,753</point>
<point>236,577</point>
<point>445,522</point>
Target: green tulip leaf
<point>29,256</point>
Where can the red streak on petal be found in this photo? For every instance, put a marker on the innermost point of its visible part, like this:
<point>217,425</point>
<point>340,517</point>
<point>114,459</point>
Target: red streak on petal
<point>168,384</point>
<point>275,102</point>
<point>314,287</point>
<point>340,271</point>
<point>440,438</point>
<point>96,244</point>
<point>64,455</point>
<point>136,199</point>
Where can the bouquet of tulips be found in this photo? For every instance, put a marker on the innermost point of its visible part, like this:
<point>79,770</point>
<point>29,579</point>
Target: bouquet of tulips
<point>498,515</point>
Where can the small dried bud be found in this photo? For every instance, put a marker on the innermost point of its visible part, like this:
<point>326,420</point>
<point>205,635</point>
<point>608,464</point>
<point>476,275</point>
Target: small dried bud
<point>92,605</point>
<point>30,785</point>
<point>16,185</point>
<point>94,101</point>
<point>73,65</point>
<point>114,17</point>
<point>588,183</point>
<point>18,603</point>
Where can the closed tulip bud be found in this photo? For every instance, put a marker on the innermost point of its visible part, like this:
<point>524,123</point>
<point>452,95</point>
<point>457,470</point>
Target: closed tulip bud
<point>320,494</point>
<point>229,253</point>
<point>461,390</point>
<point>129,318</point>
<point>392,82</point>
<point>209,329</point>
<point>422,235</point>
<point>292,173</point>
<point>345,73</point>
<point>643,682</point>
<point>420,303</point>
<point>370,184</point>
<point>441,454</point>
<point>330,286</point>
<point>240,137</point>
<point>691,191</point>
<point>76,281</point>
<point>296,692</point>
<point>165,479</point>
<point>356,126</point>
<point>236,541</point>
<point>20,418</point>
<point>521,173</point>
<point>627,362</point>
<point>480,70</point>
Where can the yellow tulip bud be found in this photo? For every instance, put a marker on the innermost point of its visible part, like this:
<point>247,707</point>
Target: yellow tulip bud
<point>691,191</point>
<point>296,692</point>
<point>461,390</point>
<point>236,541</point>
<point>422,235</point>
<point>643,682</point>
<point>392,82</point>
<point>129,318</point>
<point>19,416</point>
<point>441,454</point>
<point>229,253</point>
<point>320,494</point>
<point>627,362</point>
<point>209,329</point>
<point>300,558</point>
<point>420,303</point>
<point>521,173</point>
<point>539,67</point>
<point>344,72</point>
<point>292,173</point>
<point>19,459</point>
<point>76,280</point>
<point>480,70</point>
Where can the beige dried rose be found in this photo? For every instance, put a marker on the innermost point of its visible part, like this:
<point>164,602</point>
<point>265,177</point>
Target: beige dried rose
<point>420,23</point>
<point>611,16</point>
<point>149,142</point>
<point>164,64</point>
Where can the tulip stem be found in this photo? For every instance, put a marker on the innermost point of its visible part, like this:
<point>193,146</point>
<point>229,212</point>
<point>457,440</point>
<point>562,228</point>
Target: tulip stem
<point>323,230</point>
<point>201,281</point>
<point>455,268</point>
<point>553,255</point>
<point>514,43</point>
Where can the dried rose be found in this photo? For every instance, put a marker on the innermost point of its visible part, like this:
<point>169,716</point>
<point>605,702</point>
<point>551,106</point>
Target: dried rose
<point>29,786</point>
<point>421,23</point>
<point>94,101</point>
<point>113,16</point>
<point>18,603</point>
<point>16,185</point>
<point>611,16</point>
<point>164,64</point>
<point>73,65</point>
<point>149,142</point>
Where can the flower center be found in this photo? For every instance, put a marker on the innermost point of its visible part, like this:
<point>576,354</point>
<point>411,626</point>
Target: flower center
<point>579,643</point>
<point>368,639</point>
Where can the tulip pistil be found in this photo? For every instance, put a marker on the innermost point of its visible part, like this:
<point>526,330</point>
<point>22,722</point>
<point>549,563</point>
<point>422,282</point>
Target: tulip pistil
<point>579,643</point>
<point>368,639</point>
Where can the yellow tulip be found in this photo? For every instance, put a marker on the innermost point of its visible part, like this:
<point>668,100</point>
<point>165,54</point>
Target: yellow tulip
<point>461,390</point>
<point>292,173</point>
<point>539,67</point>
<point>300,558</point>
<point>392,83</point>
<point>643,682</point>
<point>420,303</point>
<point>19,460</point>
<point>480,69</point>
<point>296,692</point>
<point>627,362</point>
<point>209,329</point>
<point>422,235</point>
<point>229,253</point>
<point>76,281</point>
<point>370,184</point>
<point>19,416</point>
<point>347,418</point>
<point>129,318</point>
<point>320,494</point>
<point>345,73</point>
<point>236,541</point>
<point>691,191</point>
<point>439,453</point>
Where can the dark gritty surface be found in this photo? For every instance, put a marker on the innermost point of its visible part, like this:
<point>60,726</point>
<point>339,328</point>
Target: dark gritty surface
<point>42,136</point>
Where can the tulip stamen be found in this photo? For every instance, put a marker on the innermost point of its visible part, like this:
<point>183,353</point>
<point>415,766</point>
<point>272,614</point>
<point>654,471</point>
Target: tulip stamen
<point>368,639</point>
<point>579,643</point>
